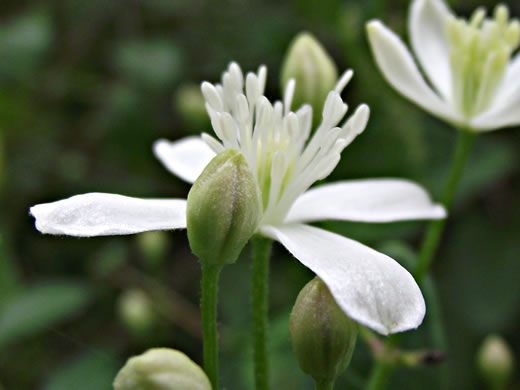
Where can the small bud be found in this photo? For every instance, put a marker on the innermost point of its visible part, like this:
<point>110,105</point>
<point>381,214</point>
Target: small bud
<point>322,335</point>
<point>135,310</point>
<point>190,103</point>
<point>153,245</point>
<point>495,361</point>
<point>313,70</point>
<point>224,209</point>
<point>161,369</point>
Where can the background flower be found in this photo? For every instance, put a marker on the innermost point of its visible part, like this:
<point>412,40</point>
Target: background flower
<point>475,85</point>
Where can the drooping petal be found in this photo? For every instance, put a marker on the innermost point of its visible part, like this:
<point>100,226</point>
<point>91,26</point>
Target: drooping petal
<point>185,158</point>
<point>427,24</point>
<point>398,67</point>
<point>504,115</point>
<point>372,288</point>
<point>376,200</point>
<point>98,214</point>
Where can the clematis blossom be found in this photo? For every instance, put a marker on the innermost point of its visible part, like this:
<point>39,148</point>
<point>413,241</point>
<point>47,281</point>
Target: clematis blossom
<point>473,78</point>
<point>286,160</point>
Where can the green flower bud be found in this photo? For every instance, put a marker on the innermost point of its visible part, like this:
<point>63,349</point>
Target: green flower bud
<point>322,335</point>
<point>135,310</point>
<point>224,209</point>
<point>495,361</point>
<point>314,71</point>
<point>153,245</point>
<point>190,103</point>
<point>161,369</point>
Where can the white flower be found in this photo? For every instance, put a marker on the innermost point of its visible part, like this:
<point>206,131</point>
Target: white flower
<point>474,83</point>
<point>370,287</point>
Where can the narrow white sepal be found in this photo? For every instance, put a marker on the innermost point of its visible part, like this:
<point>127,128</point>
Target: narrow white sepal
<point>185,158</point>
<point>427,25</point>
<point>370,287</point>
<point>373,200</point>
<point>498,116</point>
<point>397,65</point>
<point>98,214</point>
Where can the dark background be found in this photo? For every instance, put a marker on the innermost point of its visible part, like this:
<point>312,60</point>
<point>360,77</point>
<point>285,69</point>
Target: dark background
<point>85,89</point>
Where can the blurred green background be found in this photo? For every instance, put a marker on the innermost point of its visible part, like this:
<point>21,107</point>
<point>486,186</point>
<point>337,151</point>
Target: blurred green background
<point>85,89</point>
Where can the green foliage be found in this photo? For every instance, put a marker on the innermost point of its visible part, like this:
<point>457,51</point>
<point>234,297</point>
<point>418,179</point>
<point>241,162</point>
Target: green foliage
<point>40,307</point>
<point>91,370</point>
<point>23,43</point>
<point>153,63</point>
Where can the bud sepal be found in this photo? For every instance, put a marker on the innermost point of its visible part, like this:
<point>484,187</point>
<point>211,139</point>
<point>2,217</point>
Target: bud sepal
<point>223,209</point>
<point>161,369</point>
<point>322,335</point>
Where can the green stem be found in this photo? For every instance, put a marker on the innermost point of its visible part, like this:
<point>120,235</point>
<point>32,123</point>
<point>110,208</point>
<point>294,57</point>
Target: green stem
<point>382,371</point>
<point>434,233</point>
<point>208,306</point>
<point>261,248</point>
<point>438,330</point>
<point>324,385</point>
<point>379,375</point>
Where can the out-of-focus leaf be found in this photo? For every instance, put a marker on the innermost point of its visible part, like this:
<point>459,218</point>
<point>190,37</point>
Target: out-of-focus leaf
<point>2,164</point>
<point>23,43</point>
<point>481,278</point>
<point>153,63</point>
<point>8,275</point>
<point>40,307</point>
<point>92,370</point>
<point>112,255</point>
<point>490,162</point>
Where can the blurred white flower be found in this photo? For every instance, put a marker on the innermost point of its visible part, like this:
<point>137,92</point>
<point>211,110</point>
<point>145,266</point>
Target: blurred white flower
<point>369,286</point>
<point>473,82</point>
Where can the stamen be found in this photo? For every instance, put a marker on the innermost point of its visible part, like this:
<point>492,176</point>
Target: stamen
<point>212,143</point>
<point>343,81</point>
<point>480,51</point>
<point>273,139</point>
<point>212,96</point>
<point>289,93</point>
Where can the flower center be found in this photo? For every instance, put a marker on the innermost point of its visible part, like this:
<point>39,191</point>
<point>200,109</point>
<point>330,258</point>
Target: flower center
<point>274,140</point>
<point>480,50</point>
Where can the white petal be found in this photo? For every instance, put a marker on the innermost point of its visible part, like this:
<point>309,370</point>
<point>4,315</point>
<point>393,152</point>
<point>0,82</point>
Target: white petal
<point>504,110</point>
<point>511,82</point>
<point>398,67</point>
<point>370,287</point>
<point>98,214</point>
<point>504,115</point>
<point>185,158</point>
<point>376,200</point>
<point>427,24</point>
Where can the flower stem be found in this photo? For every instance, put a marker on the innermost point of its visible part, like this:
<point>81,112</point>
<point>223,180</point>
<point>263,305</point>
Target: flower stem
<point>208,305</point>
<point>382,369</point>
<point>379,375</point>
<point>261,251</point>
<point>434,233</point>
<point>324,385</point>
